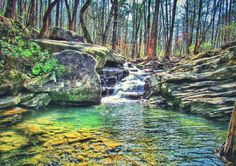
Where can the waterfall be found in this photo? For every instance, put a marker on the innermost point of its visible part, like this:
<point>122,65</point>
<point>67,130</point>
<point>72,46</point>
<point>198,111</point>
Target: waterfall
<point>123,84</point>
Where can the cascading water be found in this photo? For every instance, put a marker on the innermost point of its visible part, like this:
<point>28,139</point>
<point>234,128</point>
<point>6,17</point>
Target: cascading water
<point>131,87</point>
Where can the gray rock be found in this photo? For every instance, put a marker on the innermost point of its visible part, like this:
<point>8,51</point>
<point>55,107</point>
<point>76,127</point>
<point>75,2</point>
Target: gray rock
<point>9,101</point>
<point>39,101</point>
<point>204,84</point>
<point>103,55</point>
<point>79,85</point>
<point>58,33</point>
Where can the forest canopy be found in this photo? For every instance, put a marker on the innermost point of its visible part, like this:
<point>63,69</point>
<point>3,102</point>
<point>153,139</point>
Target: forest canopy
<point>135,28</point>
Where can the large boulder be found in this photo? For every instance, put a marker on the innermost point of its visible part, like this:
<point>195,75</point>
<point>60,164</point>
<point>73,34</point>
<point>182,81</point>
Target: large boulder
<point>103,55</point>
<point>57,33</point>
<point>79,85</point>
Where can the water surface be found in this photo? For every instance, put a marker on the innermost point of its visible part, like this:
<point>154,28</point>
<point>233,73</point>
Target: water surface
<point>122,133</point>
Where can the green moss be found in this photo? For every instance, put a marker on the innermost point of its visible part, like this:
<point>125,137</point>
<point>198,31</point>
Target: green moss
<point>205,54</point>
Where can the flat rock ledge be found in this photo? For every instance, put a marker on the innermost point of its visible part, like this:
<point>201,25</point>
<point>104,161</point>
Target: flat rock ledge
<point>203,84</point>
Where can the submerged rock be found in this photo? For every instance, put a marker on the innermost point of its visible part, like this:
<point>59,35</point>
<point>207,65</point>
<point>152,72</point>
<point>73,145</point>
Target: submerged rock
<point>11,141</point>
<point>79,85</point>
<point>11,116</point>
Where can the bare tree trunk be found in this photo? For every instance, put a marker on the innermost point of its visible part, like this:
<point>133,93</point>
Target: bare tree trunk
<point>197,42</point>
<point>115,23</point>
<point>11,9</point>
<point>58,13</point>
<point>50,15</point>
<point>148,26</point>
<point>44,29</point>
<point>151,51</point>
<point>134,29</point>
<point>62,15</point>
<point>169,43</point>
<point>72,16</point>
<point>41,13</point>
<point>32,14</point>
<point>83,26</point>
<point>105,33</point>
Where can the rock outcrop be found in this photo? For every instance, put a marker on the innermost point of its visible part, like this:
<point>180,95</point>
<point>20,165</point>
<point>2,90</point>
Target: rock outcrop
<point>103,55</point>
<point>203,84</point>
<point>57,33</point>
<point>79,85</point>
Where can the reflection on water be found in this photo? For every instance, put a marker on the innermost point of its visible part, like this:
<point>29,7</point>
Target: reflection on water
<point>121,134</point>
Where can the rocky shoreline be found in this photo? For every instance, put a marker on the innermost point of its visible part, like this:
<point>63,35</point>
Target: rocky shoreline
<point>203,84</point>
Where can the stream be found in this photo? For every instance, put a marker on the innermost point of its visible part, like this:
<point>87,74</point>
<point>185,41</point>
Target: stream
<point>120,131</point>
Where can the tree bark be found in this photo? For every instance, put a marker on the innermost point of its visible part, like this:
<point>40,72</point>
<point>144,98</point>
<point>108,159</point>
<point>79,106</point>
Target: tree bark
<point>72,15</point>
<point>152,44</point>
<point>169,43</point>
<point>58,13</point>
<point>44,29</point>
<point>32,14</point>
<point>197,42</point>
<point>11,9</point>
<point>107,28</point>
<point>115,24</point>
<point>83,26</point>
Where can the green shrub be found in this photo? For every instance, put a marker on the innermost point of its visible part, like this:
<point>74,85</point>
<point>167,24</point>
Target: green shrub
<point>13,43</point>
<point>207,46</point>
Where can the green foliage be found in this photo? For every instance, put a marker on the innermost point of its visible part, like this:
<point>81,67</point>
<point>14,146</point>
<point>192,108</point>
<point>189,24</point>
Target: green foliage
<point>207,46</point>
<point>191,48</point>
<point>13,43</point>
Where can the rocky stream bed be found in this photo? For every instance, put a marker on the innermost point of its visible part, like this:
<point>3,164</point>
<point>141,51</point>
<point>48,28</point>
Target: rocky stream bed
<point>123,130</point>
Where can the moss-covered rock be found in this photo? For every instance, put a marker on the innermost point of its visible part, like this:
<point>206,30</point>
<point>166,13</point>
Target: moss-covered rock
<point>11,82</point>
<point>102,54</point>
<point>9,101</point>
<point>38,101</point>
<point>57,33</point>
<point>204,84</point>
<point>79,85</point>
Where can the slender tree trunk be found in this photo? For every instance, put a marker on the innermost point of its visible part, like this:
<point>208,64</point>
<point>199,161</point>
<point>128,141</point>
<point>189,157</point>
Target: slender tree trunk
<point>58,13</point>
<point>107,28</point>
<point>151,51</point>
<point>62,14</point>
<point>83,26</point>
<point>134,29</point>
<point>115,24</point>
<point>44,29</point>
<point>32,14</point>
<point>50,15</point>
<point>148,26</point>
<point>197,42</point>
<point>74,15</point>
<point>41,13</point>
<point>169,43</point>
<point>11,9</point>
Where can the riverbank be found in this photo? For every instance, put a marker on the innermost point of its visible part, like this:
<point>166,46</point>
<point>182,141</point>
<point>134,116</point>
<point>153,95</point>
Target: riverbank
<point>202,84</point>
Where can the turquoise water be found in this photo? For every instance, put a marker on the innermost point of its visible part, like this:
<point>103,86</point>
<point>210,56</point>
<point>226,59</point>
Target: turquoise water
<point>126,133</point>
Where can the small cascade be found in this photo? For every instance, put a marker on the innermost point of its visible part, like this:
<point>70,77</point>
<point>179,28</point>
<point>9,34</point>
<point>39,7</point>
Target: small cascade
<point>110,76</point>
<point>129,86</point>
